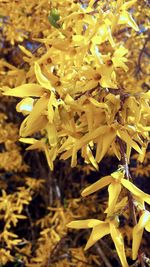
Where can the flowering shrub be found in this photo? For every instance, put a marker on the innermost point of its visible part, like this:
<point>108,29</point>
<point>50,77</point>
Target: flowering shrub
<point>84,91</point>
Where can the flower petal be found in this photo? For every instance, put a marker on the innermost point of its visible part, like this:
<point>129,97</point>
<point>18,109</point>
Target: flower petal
<point>98,232</point>
<point>36,120</point>
<point>52,134</point>
<point>128,5</point>
<point>81,224</point>
<point>136,191</point>
<point>102,182</point>
<point>138,232</point>
<point>28,140</point>
<point>106,141</point>
<point>43,81</point>
<point>50,156</point>
<point>126,18</point>
<point>119,244</point>
<point>87,154</point>
<point>114,190</point>
<point>126,138</point>
<point>30,89</point>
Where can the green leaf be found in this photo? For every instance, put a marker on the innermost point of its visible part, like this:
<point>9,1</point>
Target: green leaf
<point>54,17</point>
<point>54,13</point>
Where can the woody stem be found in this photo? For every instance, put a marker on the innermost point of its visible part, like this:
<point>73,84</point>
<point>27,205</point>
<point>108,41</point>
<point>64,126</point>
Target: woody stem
<point>133,219</point>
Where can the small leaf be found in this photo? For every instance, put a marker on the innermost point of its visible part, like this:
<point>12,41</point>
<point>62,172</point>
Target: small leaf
<point>54,17</point>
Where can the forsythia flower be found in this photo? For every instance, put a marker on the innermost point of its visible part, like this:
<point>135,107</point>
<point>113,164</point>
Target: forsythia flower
<point>100,229</point>
<point>144,222</point>
<point>5,256</point>
<point>115,180</point>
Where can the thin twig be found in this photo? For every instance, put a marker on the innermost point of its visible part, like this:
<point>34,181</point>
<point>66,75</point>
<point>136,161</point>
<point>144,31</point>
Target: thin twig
<point>31,224</point>
<point>111,254</point>
<point>102,255</point>
<point>139,68</point>
<point>128,177</point>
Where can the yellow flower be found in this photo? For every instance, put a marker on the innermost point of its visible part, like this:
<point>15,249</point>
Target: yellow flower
<point>118,58</point>
<point>103,34</point>
<point>115,180</point>
<point>126,18</point>
<point>37,109</point>
<point>26,90</point>
<point>5,256</point>
<point>37,119</point>
<point>126,137</point>
<point>144,222</point>
<point>100,229</point>
<point>42,145</point>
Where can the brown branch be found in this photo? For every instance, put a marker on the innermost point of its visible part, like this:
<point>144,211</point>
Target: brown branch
<point>31,224</point>
<point>102,255</point>
<point>139,68</point>
<point>110,254</point>
<point>133,219</point>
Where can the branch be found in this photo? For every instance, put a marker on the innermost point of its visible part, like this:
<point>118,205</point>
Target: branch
<point>102,255</point>
<point>128,177</point>
<point>139,68</point>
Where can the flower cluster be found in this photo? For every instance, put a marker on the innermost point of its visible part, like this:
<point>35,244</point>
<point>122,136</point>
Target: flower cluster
<point>79,94</point>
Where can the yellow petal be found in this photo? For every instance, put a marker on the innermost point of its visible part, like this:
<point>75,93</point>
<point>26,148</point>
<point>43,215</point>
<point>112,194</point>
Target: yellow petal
<point>98,232</point>
<point>119,59</point>
<point>97,104</point>
<point>91,157</point>
<point>118,175</point>
<point>138,232</point>
<point>147,227</point>
<point>28,140</point>
<point>26,129</point>
<point>126,138</point>
<point>127,5</point>
<point>115,149</point>
<point>90,136</point>
<point>52,134</point>
<point>81,224</point>
<point>119,206</point>
<point>89,117</point>
<point>43,81</point>
<point>119,244</point>
<point>30,89</point>
<point>129,148</point>
<point>38,144</point>
<point>110,38</point>
<point>97,186</point>
<point>126,18</point>
<point>106,141</point>
<point>74,156</point>
<point>136,191</point>
<point>52,105</point>
<point>114,190</point>
<point>142,156</point>
<point>25,51</point>
<point>137,237</point>
<point>36,120</point>
<point>49,157</point>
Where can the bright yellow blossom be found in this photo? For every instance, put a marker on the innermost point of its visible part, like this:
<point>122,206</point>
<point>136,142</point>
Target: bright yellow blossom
<point>144,222</point>
<point>115,181</point>
<point>100,229</point>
